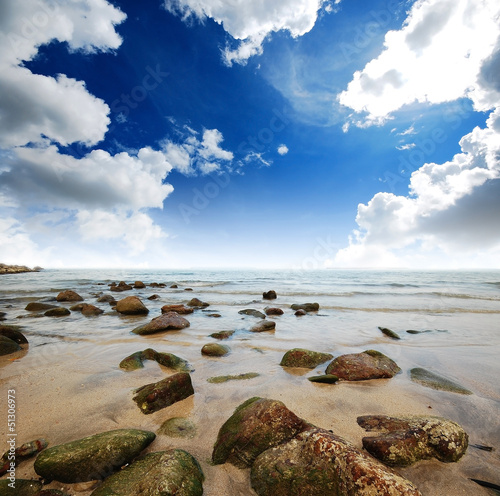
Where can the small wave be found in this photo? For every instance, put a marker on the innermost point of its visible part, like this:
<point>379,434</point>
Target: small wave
<point>400,285</point>
<point>465,296</point>
<point>409,310</point>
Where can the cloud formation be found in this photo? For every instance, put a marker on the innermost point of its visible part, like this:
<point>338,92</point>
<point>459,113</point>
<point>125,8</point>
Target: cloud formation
<point>251,21</point>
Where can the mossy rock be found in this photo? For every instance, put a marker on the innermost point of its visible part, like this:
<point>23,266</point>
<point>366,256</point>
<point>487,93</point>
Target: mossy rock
<point>136,360</point>
<point>57,312</point>
<point>389,333</point>
<point>172,472</point>
<point>92,458</point>
<point>22,487</point>
<point>299,357</point>
<point>222,335</point>
<point>252,312</point>
<point>38,306</point>
<point>225,378</point>
<point>307,307</point>
<point>178,427</point>
<point>435,381</point>
<point>215,350</point>
<point>324,379</point>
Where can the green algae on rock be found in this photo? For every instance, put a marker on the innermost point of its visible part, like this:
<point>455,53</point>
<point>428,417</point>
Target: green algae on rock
<point>255,426</point>
<point>389,333</point>
<point>324,379</point>
<point>406,440</point>
<point>153,397</point>
<point>215,350</point>
<point>136,360</point>
<point>435,381</point>
<point>299,357</point>
<point>172,472</point>
<point>224,378</point>
<point>22,487</point>
<point>178,427</point>
<point>92,458</point>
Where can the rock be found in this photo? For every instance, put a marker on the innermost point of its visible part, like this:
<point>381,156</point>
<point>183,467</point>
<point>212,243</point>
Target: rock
<point>180,309</point>
<point>307,307</point>
<point>195,302</point>
<point>319,463</point>
<point>435,381</point>
<point>57,312</point>
<point>12,332</point>
<point>269,295</point>
<point>8,346</point>
<point>222,334</point>
<point>154,297</point>
<point>3,315</point>
<point>157,285</point>
<point>178,427</point>
<point>139,285</point>
<point>273,311</point>
<point>298,357</point>
<point>215,350</point>
<point>174,286</point>
<point>131,305</point>
<point>214,315</point>
<point>77,308</point>
<point>172,472</point>
<point>22,487</point>
<point>121,286</point>
<point>135,361</point>
<point>255,426</point>
<point>370,364</point>
<point>170,321</point>
<point>188,289</point>
<point>68,295</point>
<point>324,379</point>
<point>38,306</point>
<point>389,333</point>
<point>225,378</point>
<point>252,312</point>
<point>264,325</point>
<point>92,458</point>
<point>107,299</point>
<point>406,440</point>
<point>51,492</point>
<point>21,453</point>
<point>300,313</point>
<point>16,269</point>
<point>91,310</point>
<point>153,397</point>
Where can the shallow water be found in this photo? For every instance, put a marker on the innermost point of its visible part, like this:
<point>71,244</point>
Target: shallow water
<point>68,383</point>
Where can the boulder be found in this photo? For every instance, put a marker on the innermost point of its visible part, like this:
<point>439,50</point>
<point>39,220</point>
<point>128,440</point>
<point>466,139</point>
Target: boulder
<point>154,297</point>
<point>121,286</point>
<point>435,381</point>
<point>38,306</point>
<point>264,325</point>
<point>8,346</point>
<point>255,426</point>
<point>21,453</point>
<point>370,364</point>
<point>195,302</point>
<point>57,312</point>
<point>23,487</point>
<point>77,308</point>
<point>273,311</point>
<point>252,312</point>
<point>170,321</point>
<point>139,285</point>
<point>172,472</point>
<point>13,332</point>
<point>406,440</point>
<point>107,299</point>
<point>222,334</point>
<point>178,308</point>
<point>269,295</point>
<point>298,357</point>
<point>92,458</point>
<point>135,361</point>
<point>68,295</point>
<point>131,305</point>
<point>318,463</point>
<point>91,310</point>
<point>153,397</point>
<point>307,307</point>
<point>215,350</point>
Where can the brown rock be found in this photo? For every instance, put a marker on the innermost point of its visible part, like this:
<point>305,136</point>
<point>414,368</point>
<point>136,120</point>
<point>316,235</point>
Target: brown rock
<point>273,311</point>
<point>107,299</point>
<point>131,305</point>
<point>300,313</point>
<point>121,286</point>
<point>170,321</point>
<point>264,325</point>
<point>91,310</point>
<point>139,285</point>
<point>269,295</point>
<point>178,308</point>
<point>68,295</point>
<point>195,302</point>
<point>38,306</point>
<point>57,312</point>
<point>215,350</point>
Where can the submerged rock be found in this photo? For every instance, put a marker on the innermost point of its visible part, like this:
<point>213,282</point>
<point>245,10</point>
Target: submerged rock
<point>319,463</point>
<point>92,458</point>
<point>131,305</point>
<point>225,378</point>
<point>299,357</point>
<point>215,350</point>
<point>57,312</point>
<point>269,295</point>
<point>107,299</point>
<point>195,302</point>
<point>273,311</point>
<point>406,440</point>
<point>222,334</point>
<point>177,427</point>
<point>264,325</point>
<point>13,332</point>
<point>170,321</point>
<point>255,426</point>
<point>91,310</point>
<point>68,295</point>
<point>435,381</point>
<point>22,487</point>
<point>8,346</point>
<point>121,286</point>
<point>307,307</point>
<point>324,379</point>
<point>389,333</point>
<point>252,312</point>
<point>135,361</point>
<point>178,308</point>
<point>172,472</point>
<point>154,297</point>
<point>370,364</point>
<point>153,397</point>
<point>38,306</point>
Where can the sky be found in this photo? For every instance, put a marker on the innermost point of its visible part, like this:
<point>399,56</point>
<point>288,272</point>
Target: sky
<point>301,134</point>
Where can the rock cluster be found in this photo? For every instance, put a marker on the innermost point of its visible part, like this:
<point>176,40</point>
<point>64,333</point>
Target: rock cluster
<point>17,269</point>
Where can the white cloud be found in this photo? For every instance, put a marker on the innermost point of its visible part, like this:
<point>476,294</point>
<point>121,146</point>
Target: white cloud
<point>251,21</point>
<point>282,149</point>
<point>436,57</point>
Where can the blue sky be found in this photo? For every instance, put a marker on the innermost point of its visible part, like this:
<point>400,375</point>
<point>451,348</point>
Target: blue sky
<point>203,133</point>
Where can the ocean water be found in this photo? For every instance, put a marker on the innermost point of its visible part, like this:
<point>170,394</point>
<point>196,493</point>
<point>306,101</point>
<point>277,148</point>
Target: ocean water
<point>69,385</point>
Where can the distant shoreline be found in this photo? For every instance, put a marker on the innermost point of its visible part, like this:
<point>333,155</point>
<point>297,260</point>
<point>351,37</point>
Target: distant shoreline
<point>17,269</point>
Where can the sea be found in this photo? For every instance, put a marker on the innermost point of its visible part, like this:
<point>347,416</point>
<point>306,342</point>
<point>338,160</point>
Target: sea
<point>68,383</point>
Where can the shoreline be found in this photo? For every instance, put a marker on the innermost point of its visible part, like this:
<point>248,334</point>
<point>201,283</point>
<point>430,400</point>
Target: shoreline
<point>17,269</point>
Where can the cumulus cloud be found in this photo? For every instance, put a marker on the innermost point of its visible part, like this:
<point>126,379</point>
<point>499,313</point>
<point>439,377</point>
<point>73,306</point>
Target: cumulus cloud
<point>251,21</point>
<point>282,149</point>
<point>438,56</point>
